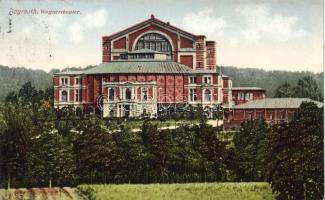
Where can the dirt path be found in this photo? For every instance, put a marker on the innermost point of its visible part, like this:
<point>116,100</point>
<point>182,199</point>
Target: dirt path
<point>65,193</point>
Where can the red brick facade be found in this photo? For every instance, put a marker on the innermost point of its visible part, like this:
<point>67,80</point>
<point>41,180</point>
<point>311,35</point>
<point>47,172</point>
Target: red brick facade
<point>183,44</point>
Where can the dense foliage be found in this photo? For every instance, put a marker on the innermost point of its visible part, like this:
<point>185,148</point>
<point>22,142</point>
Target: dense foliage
<point>295,159</point>
<point>306,87</point>
<point>251,148</point>
<point>40,145</point>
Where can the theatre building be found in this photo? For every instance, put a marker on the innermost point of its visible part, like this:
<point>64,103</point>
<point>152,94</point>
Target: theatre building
<point>154,66</point>
<point>146,68</point>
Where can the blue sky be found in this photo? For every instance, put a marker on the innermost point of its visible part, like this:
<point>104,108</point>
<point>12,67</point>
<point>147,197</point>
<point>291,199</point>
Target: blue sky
<point>272,35</point>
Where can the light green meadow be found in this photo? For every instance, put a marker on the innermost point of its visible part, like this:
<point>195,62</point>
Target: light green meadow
<point>190,191</point>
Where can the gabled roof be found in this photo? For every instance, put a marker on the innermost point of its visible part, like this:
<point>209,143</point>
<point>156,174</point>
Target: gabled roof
<point>151,20</point>
<point>269,103</point>
<point>140,67</point>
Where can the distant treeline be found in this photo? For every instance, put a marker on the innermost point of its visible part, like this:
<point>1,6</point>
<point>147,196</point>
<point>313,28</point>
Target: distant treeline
<point>269,80</point>
<point>12,78</point>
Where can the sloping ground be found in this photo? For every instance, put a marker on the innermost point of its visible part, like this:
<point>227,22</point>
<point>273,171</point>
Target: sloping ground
<point>191,191</point>
<point>65,193</point>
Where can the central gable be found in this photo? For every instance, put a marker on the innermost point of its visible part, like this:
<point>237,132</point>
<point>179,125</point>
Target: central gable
<point>151,21</point>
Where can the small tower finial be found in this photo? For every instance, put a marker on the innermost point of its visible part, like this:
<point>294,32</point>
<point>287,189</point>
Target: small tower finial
<point>152,16</point>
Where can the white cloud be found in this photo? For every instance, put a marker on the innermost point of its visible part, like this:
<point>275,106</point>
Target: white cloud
<point>96,19</point>
<point>261,22</point>
<point>251,35</point>
<point>204,22</point>
<point>233,42</point>
<point>91,20</point>
<point>56,21</point>
<point>75,31</point>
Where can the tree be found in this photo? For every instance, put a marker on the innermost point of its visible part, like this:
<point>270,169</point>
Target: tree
<point>285,90</point>
<point>307,88</point>
<point>295,155</point>
<point>96,153</point>
<point>131,155</point>
<point>158,147</point>
<point>213,152</point>
<point>11,97</point>
<point>51,160</point>
<point>250,145</point>
<point>28,93</point>
<point>15,142</point>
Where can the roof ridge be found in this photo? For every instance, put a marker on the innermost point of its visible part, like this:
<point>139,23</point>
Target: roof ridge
<point>151,19</point>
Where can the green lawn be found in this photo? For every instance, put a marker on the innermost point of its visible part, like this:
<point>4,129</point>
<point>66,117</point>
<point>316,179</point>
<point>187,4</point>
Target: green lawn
<point>191,191</point>
<point>134,123</point>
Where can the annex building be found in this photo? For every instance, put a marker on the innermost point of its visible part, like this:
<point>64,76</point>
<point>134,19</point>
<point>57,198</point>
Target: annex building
<point>151,67</point>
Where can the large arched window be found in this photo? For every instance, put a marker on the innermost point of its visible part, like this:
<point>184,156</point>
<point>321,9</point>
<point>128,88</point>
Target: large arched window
<point>154,41</point>
<point>64,96</point>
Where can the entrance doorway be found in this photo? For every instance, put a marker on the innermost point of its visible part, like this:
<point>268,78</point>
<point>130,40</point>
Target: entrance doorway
<point>126,110</point>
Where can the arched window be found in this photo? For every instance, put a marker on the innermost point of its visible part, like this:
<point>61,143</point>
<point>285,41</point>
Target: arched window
<point>128,93</point>
<point>207,95</point>
<point>64,96</point>
<point>111,94</point>
<point>154,41</point>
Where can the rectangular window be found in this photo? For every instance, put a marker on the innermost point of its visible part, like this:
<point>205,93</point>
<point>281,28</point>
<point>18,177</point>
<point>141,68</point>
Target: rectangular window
<point>207,80</point>
<point>207,95</point>
<point>111,94</point>
<point>192,94</point>
<point>240,96</point>
<point>64,81</point>
<point>251,97</point>
<point>78,95</point>
<point>192,80</point>
<point>144,94</point>
<point>247,96</point>
<point>78,81</point>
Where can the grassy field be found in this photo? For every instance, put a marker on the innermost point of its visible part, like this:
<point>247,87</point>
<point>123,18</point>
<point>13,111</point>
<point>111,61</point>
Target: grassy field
<point>192,191</point>
<point>65,193</point>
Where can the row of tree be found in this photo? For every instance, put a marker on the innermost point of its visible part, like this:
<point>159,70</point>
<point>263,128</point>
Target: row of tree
<point>39,147</point>
<point>306,87</point>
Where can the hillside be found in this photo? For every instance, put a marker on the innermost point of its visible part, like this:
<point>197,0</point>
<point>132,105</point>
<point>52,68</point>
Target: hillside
<point>12,78</point>
<point>269,80</point>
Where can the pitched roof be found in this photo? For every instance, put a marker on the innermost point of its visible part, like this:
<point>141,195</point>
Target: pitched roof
<point>151,20</point>
<point>70,72</point>
<point>269,103</point>
<point>140,67</point>
<point>247,88</point>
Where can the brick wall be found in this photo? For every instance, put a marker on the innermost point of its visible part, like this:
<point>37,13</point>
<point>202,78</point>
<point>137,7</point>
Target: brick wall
<point>200,49</point>
<point>186,43</point>
<point>120,43</point>
<point>106,48</point>
<point>187,60</point>
<point>210,55</point>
